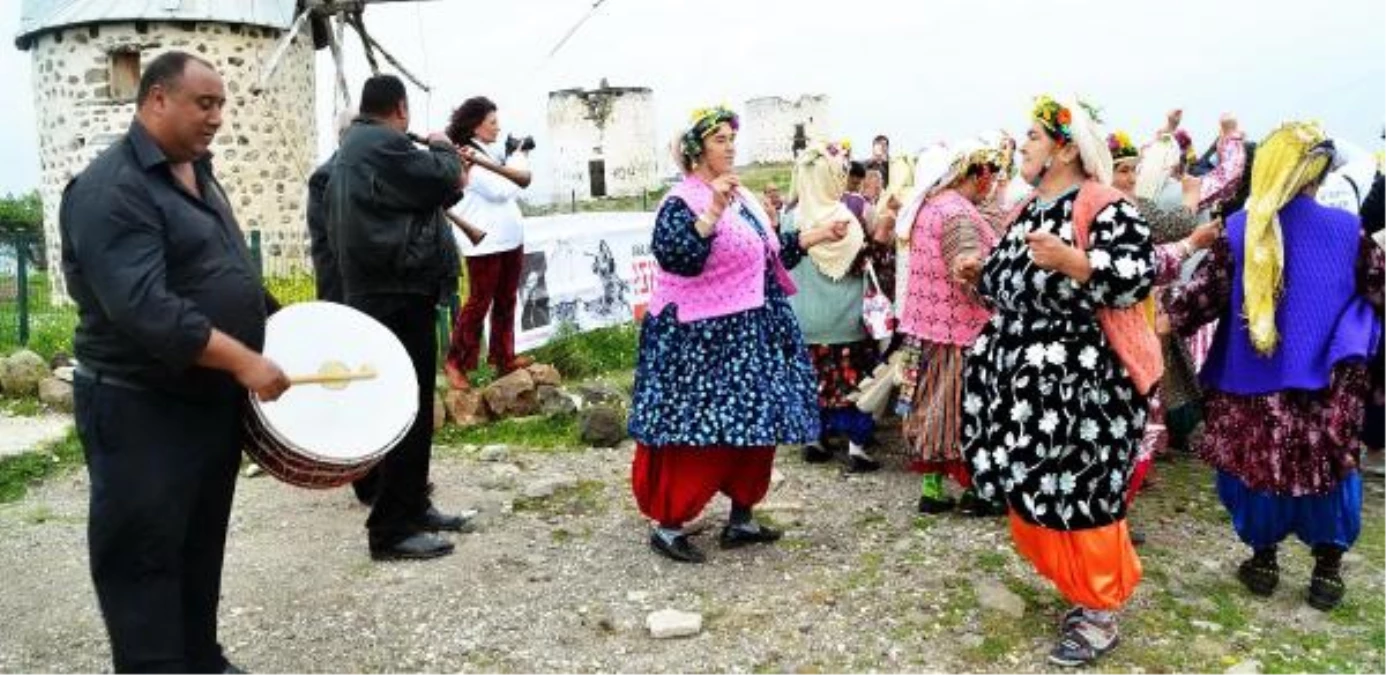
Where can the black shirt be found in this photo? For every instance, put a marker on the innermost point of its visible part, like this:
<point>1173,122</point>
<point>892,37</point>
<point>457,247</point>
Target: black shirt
<point>153,269</point>
<point>325,273</point>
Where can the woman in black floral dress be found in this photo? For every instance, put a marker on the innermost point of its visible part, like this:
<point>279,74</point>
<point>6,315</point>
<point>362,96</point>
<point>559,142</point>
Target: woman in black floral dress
<point>1052,421</point>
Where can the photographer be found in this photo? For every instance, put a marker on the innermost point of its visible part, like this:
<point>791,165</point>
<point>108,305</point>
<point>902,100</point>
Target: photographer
<point>493,265</point>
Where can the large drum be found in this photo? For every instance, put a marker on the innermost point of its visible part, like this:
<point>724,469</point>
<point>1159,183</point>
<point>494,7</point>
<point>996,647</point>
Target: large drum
<point>360,398</point>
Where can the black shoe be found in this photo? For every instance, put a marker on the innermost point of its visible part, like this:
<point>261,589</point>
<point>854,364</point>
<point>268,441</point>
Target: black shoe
<point>815,454</point>
<point>736,536</point>
<point>860,464</point>
<point>437,521</point>
<point>677,548</point>
<point>421,546</point>
<point>931,506</point>
<point>1326,588</point>
<point>974,506</point>
<point>1260,573</point>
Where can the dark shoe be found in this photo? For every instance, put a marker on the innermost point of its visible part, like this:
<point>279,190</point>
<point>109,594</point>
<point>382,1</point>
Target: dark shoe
<point>974,506</point>
<point>1137,537</point>
<point>1326,588</point>
<point>736,536</point>
<point>1083,643</point>
<point>676,548</point>
<point>437,521</point>
<point>815,454</point>
<point>859,464</point>
<point>1260,573</point>
<point>232,669</point>
<point>421,546</point>
<point>930,506</point>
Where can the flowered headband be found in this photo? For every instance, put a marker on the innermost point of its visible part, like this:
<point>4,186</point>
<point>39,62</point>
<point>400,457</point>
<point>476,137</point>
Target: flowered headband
<point>1058,120</point>
<point>701,124</point>
<point>1122,148</point>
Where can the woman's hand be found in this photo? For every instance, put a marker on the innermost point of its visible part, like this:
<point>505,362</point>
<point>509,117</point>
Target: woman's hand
<point>967,269</point>
<point>823,234</point>
<point>1204,235</point>
<point>1051,253</point>
<point>723,189</point>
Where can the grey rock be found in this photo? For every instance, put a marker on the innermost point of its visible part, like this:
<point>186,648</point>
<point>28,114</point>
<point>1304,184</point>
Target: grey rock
<point>672,623</point>
<point>495,453</point>
<point>56,394</point>
<point>992,595</point>
<point>512,395</point>
<point>600,394</point>
<point>553,401</point>
<point>21,373</point>
<point>546,487</point>
<point>602,426</point>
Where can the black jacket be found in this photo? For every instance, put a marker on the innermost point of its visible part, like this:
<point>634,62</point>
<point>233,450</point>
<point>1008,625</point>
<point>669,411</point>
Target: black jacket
<point>325,273</point>
<point>385,217</point>
<point>153,269</point>
<point>1372,210</point>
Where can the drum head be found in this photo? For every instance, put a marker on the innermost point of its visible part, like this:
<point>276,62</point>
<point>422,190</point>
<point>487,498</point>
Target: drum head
<point>366,418</point>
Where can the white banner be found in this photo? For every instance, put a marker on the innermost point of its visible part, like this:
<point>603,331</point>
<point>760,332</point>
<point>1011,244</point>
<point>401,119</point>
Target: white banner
<point>590,270</point>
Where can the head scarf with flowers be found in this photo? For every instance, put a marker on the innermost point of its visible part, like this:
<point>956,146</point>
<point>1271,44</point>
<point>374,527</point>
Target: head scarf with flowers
<point>1122,149</point>
<point>1076,121</point>
<point>701,124</point>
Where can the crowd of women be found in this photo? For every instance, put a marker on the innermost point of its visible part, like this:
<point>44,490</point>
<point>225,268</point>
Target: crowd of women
<point>1043,317</point>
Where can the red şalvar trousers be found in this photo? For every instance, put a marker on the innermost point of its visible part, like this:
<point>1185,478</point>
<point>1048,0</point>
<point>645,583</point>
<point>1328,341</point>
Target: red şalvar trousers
<point>1095,568</point>
<point>673,483</point>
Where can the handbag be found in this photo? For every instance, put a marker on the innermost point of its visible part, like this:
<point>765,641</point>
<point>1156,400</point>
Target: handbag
<point>877,312</point>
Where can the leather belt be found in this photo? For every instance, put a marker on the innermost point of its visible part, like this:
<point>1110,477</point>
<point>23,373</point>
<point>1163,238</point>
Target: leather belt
<point>90,375</point>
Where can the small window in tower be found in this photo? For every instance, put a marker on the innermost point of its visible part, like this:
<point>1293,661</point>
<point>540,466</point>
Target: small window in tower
<point>125,74</point>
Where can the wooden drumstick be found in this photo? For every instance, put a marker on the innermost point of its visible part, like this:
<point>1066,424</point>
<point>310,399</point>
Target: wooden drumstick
<point>335,375</point>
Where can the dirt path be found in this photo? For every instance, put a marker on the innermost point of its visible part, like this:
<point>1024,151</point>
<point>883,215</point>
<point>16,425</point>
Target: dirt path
<point>564,583</point>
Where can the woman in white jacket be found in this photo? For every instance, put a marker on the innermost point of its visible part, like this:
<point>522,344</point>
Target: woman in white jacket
<point>494,264</point>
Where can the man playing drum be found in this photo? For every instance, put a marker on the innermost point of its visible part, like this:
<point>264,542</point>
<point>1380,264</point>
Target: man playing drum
<point>397,257</point>
<point>172,319</point>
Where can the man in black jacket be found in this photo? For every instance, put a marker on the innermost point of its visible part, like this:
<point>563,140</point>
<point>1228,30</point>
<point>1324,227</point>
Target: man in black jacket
<point>397,259</point>
<point>171,322</point>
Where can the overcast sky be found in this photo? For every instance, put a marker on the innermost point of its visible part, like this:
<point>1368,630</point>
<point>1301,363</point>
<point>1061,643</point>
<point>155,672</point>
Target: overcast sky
<point>915,70</point>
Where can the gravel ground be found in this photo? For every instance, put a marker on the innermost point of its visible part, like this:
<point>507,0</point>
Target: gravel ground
<point>19,434</point>
<point>564,583</point>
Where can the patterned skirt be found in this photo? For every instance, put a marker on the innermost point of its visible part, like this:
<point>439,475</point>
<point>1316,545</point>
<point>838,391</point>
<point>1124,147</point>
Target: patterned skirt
<point>931,402</point>
<point>841,369</point>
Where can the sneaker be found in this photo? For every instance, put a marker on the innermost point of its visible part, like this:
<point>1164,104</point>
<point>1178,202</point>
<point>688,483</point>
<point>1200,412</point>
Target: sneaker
<point>1083,642</point>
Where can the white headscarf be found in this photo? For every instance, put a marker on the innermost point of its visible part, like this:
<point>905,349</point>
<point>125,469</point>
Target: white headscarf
<point>1091,140</point>
<point>1157,166</point>
<point>931,167</point>
<point>820,176</point>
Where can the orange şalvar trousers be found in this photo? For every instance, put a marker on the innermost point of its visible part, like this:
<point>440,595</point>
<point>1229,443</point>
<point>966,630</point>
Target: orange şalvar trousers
<point>1095,568</point>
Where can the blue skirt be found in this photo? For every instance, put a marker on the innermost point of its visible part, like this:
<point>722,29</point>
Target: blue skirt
<point>1264,519</point>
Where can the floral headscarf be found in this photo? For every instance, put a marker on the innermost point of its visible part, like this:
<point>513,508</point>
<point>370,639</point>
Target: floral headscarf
<point>703,123</point>
<point>1121,147</point>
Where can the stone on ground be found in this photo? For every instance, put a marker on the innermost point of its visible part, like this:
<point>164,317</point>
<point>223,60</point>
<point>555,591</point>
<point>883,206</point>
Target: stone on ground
<point>672,623</point>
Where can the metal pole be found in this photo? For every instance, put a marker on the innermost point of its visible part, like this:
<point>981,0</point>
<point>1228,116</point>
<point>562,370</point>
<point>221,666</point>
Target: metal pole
<point>573,202</point>
<point>21,248</point>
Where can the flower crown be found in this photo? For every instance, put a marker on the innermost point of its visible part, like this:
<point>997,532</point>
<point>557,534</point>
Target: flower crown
<point>702,123</point>
<point>1058,119</point>
<point>1121,146</point>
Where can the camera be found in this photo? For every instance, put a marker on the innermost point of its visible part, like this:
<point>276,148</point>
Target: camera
<point>523,144</point>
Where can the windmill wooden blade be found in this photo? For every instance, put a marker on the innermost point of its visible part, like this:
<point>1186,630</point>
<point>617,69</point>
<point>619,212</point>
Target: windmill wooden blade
<point>573,31</point>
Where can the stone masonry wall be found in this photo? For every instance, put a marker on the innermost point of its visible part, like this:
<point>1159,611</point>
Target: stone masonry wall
<point>616,126</point>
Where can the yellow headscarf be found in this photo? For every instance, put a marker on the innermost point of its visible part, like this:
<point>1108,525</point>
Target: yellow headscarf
<point>819,179</point>
<point>1291,158</point>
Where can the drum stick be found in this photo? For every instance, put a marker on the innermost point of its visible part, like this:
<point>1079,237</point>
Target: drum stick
<point>329,378</point>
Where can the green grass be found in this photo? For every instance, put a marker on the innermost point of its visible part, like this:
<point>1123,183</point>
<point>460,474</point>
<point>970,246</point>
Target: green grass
<point>19,472</point>
<point>646,202</point>
<point>559,431</point>
<point>22,406</point>
<point>757,176</point>
<point>579,356</point>
<point>583,499</point>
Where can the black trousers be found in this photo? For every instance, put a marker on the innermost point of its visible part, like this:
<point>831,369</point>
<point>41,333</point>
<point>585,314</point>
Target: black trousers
<point>163,474</point>
<point>401,490</point>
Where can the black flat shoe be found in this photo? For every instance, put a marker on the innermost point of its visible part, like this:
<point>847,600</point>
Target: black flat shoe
<point>815,454</point>
<point>1137,537</point>
<point>677,548</point>
<point>859,464</point>
<point>421,546</point>
<point>1325,592</point>
<point>1260,573</point>
<point>930,506</point>
<point>974,506</point>
<point>736,536</point>
<point>437,521</point>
